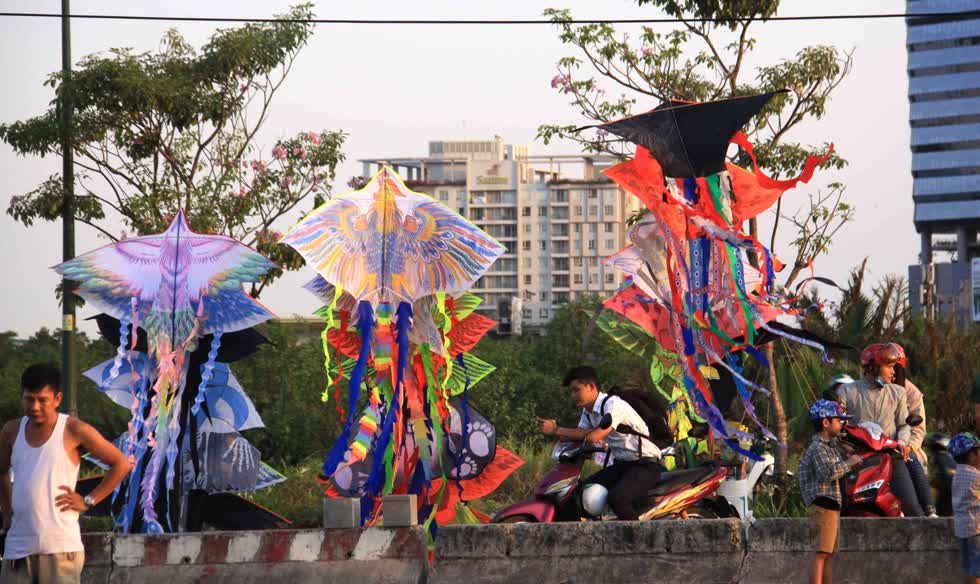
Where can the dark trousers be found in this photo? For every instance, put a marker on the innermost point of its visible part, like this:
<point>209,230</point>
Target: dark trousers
<point>904,488</point>
<point>923,491</point>
<point>627,483</point>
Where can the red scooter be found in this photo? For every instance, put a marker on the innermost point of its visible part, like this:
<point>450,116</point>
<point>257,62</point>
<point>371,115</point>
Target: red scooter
<point>558,495</point>
<point>867,488</point>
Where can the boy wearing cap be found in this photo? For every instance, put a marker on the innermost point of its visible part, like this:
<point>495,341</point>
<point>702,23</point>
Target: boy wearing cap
<point>820,469</point>
<point>965,450</point>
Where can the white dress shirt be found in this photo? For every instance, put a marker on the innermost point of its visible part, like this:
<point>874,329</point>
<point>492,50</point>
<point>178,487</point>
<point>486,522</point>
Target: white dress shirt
<point>622,446</point>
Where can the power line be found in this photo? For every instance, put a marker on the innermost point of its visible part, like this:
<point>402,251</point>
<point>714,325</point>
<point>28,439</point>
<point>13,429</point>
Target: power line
<point>934,16</point>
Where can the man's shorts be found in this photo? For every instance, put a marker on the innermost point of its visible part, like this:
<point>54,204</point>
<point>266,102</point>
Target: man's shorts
<point>970,555</point>
<point>64,568</point>
<point>827,523</point>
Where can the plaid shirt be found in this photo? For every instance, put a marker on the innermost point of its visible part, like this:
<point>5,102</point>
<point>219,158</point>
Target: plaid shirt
<point>966,501</point>
<point>820,468</point>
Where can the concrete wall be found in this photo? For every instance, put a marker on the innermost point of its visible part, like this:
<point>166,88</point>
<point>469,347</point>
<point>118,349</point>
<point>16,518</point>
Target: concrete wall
<point>918,551</point>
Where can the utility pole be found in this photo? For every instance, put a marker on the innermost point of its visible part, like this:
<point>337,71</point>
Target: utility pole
<point>67,215</point>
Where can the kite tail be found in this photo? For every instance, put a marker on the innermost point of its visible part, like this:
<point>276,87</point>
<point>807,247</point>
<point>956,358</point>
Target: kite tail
<point>365,324</point>
<point>207,372</point>
<point>823,350</point>
<point>331,324</point>
<point>746,395</point>
<point>121,352</point>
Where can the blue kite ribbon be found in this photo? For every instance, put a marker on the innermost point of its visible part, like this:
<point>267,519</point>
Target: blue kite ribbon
<point>365,326</point>
<point>466,425</point>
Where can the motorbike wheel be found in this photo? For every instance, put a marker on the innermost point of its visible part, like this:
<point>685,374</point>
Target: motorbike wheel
<point>517,519</point>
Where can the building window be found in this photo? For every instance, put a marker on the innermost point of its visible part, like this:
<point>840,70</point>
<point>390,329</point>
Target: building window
<point>544,245</point>
<point>528,296</point>
<point>578,228</point>
<point>609,227</point>
<point>525,211</point>
<point>578,210</point>
<point>593,210</point>
<point>543,313</point>
<point>593,261</point>
<point>591,244</point>
<point>443,195</point>
<point>592,227</point>
<point>527,262</point>
<point>542,211</point>
<point>610,279</point>
<point>527,279</point>
<point>527,228</point>
<point>460,196</point>
<point>592,278</point>
<point>593,194</point>
<point>461,211</point>
<point>609,244</point>
<point>607,209</point>
<point>526,245</point>
<point>544,297</point>
<point>578,278</point>
<point>527,312</point>
<point>577,262</point>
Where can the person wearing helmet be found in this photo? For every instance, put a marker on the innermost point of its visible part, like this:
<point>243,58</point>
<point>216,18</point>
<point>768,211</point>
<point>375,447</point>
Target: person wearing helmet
<point>916,407</point>
<point>636,461</point>
<point>965,450</point>
<point>821,467</point>
<point>876,398</point>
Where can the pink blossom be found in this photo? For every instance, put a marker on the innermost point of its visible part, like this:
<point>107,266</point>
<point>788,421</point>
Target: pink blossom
<point>138,141</point>
<point>647,51</point>
<point>14,200</point>
<point>300,151</point>
<point>258,166</point>
<point>268,236</point>
<point>279,152</point>
<point>317,178</point>
<point>242,88</point>
<point>313,138</point>
<point>241,193</point>
<point>287,181</point>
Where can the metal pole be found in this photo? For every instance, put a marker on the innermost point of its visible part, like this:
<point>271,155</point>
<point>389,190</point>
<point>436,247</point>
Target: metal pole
<point>67,216</point>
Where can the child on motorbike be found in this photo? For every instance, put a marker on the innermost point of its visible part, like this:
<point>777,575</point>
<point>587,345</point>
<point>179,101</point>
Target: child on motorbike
<point>965,450</point>
<point>821,467</point>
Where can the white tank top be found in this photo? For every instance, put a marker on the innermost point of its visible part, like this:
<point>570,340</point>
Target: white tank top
<point>38,527</point>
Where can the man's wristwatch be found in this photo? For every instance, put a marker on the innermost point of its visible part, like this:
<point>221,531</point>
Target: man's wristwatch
<point>89,501</point>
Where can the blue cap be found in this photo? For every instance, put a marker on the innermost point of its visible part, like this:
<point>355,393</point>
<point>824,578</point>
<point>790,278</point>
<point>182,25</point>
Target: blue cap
<point>962,444</point>
<point>824,408</point>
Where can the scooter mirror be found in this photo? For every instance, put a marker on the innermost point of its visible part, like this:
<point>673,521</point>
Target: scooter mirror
<point>914,420</point>
<point>605,422</point>
<point>699,430</point>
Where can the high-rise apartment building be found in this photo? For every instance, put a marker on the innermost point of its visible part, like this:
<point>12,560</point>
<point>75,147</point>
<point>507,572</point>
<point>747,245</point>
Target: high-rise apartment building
<point>557,229</point>
<point>944,103</point>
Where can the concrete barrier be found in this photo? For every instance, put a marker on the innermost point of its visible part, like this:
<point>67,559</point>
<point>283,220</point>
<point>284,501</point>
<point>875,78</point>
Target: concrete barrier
<point>917,551</point>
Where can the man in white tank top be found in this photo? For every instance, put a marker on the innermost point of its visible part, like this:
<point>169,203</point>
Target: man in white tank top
<point>39,458</point>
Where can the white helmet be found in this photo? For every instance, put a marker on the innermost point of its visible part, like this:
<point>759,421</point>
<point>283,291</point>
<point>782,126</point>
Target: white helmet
<point>594,500</point>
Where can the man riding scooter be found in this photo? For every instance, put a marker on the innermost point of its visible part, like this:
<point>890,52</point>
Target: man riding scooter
<point>875,398</point>
<point>635,464</point>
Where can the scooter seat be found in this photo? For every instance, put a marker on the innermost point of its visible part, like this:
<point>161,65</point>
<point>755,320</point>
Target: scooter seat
<point>671,481</point>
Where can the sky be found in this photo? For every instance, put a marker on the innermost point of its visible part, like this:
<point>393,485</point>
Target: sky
<point>394,88</point>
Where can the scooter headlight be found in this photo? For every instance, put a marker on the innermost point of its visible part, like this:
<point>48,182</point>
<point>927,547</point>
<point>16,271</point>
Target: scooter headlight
<point>594,500</point>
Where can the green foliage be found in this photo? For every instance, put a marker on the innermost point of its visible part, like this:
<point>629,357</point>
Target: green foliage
<point>174,129</point>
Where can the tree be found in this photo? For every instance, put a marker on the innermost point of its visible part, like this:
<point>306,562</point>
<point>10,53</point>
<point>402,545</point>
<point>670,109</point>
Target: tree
<point>175,129</point>
<point>705,60</point>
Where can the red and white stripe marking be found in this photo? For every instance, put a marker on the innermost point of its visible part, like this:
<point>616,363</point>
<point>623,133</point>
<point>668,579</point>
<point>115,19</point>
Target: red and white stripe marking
<point>256,547</point>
